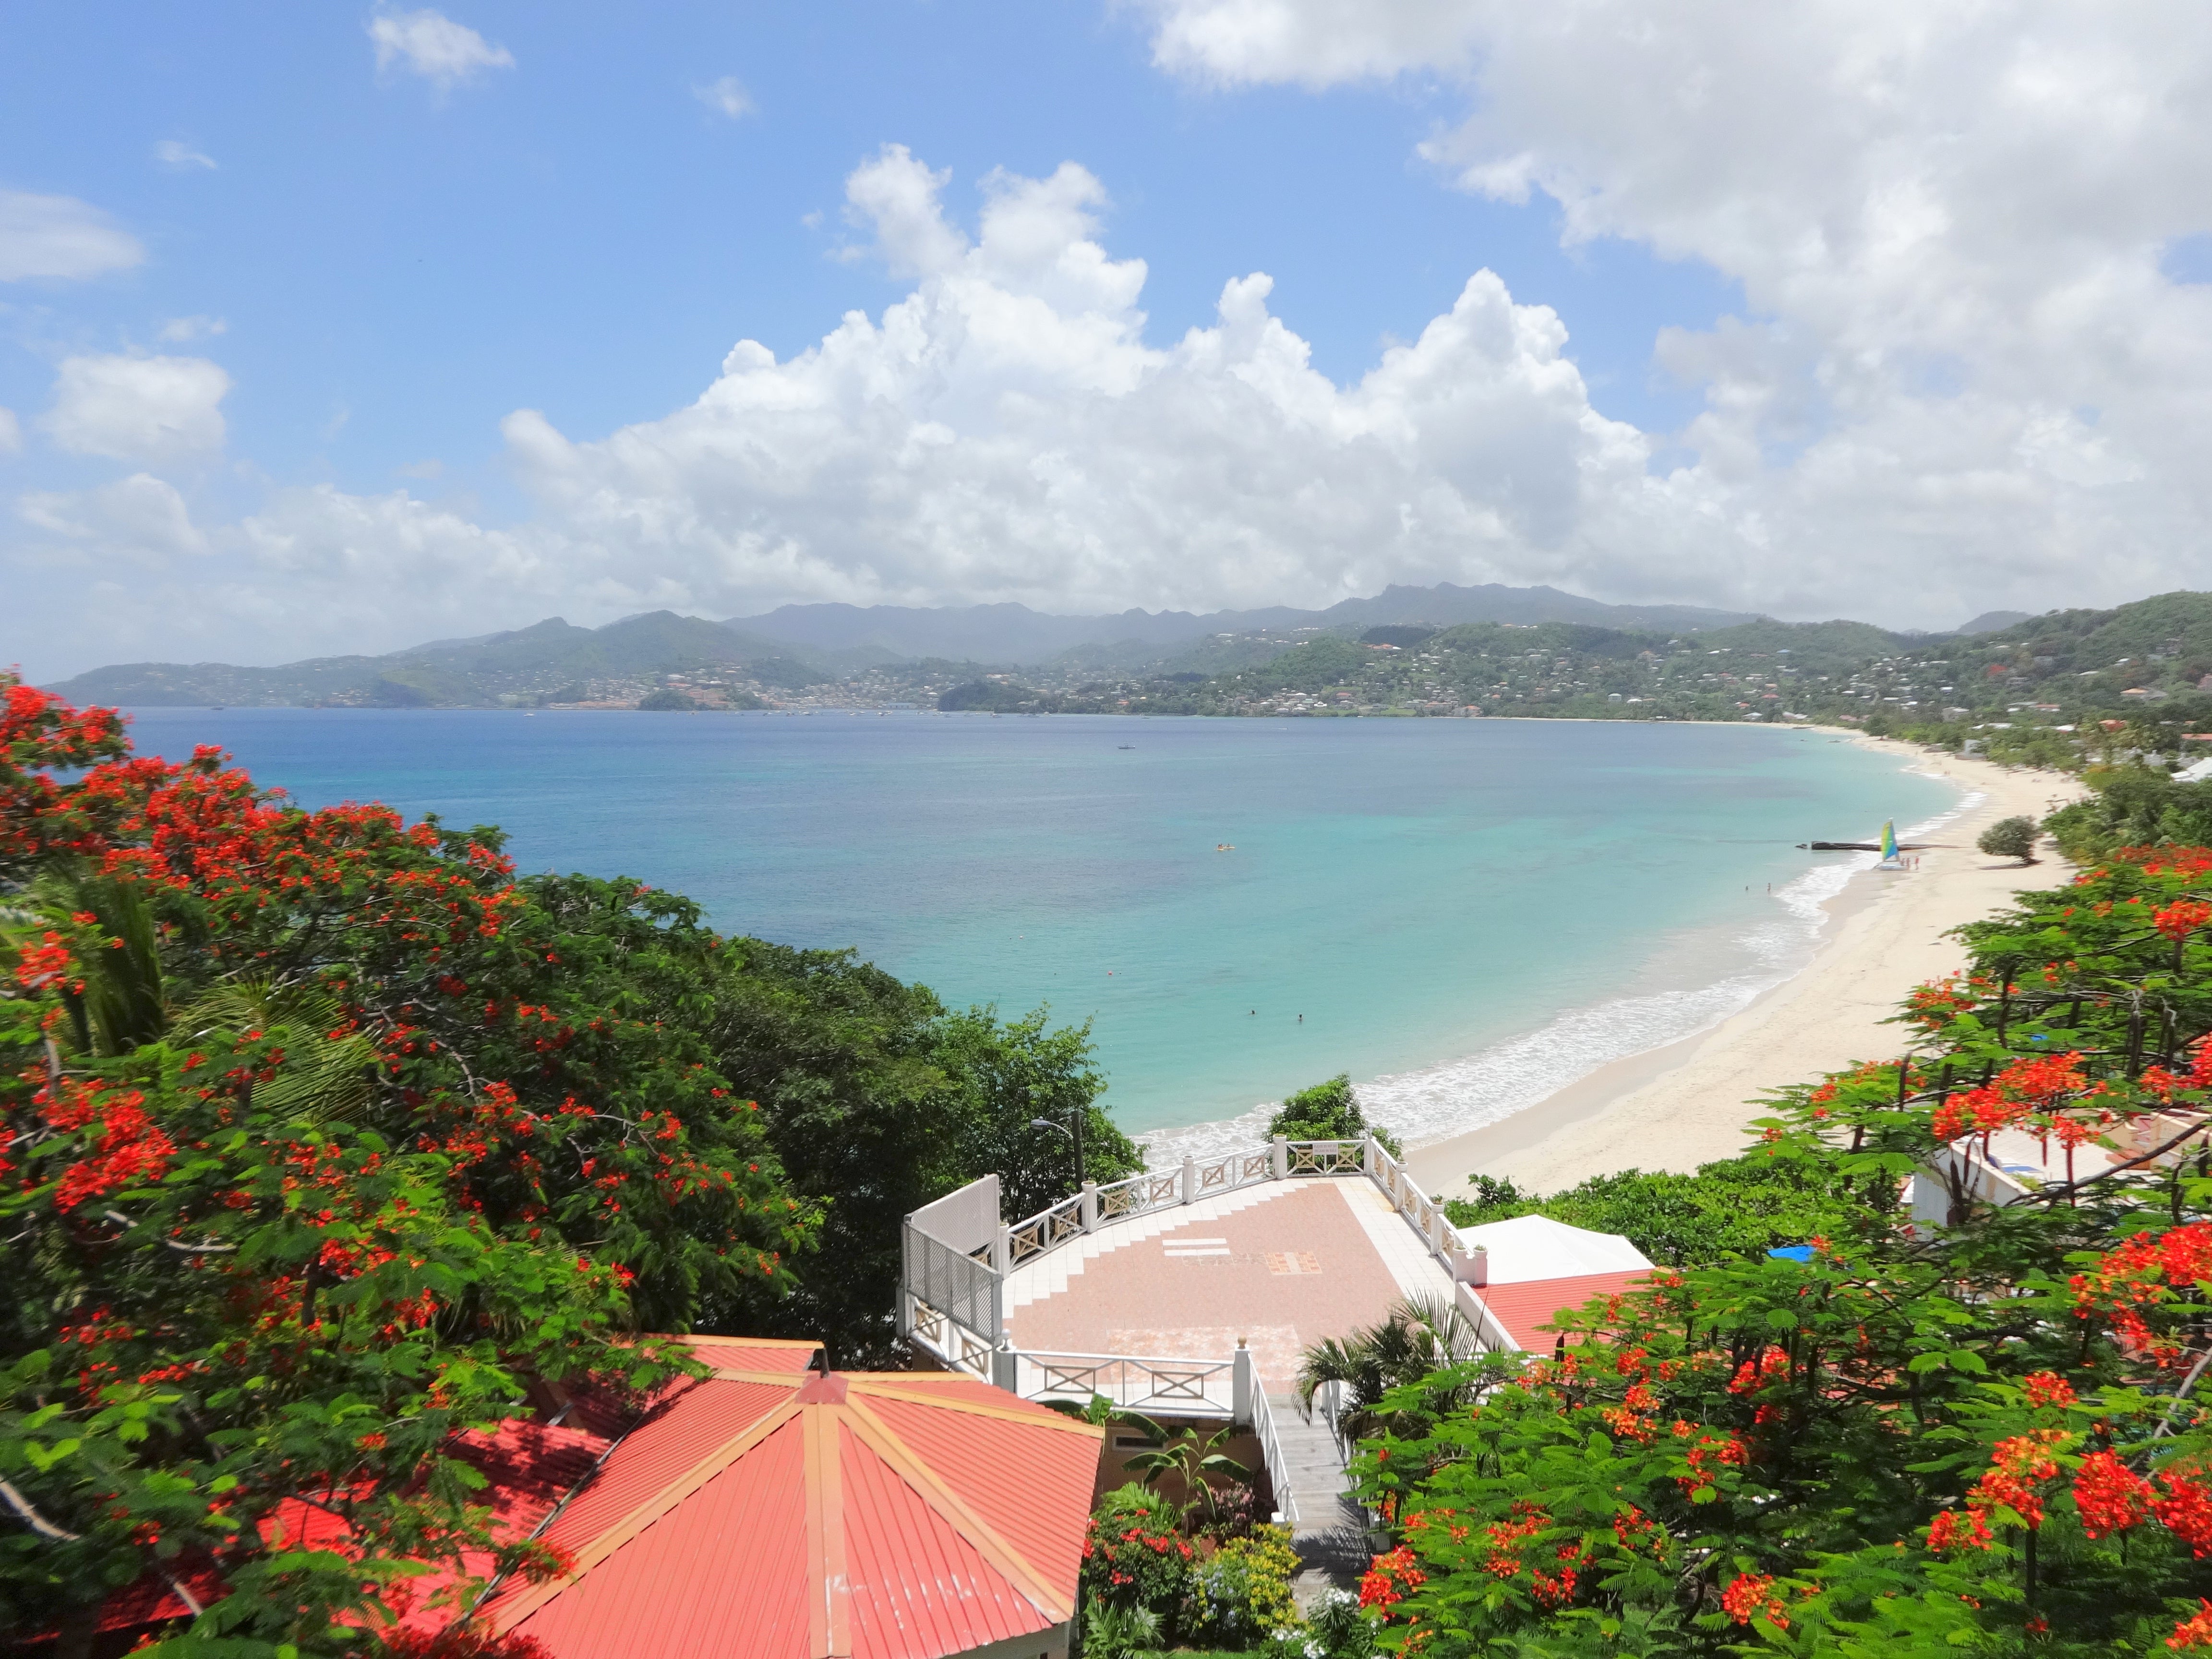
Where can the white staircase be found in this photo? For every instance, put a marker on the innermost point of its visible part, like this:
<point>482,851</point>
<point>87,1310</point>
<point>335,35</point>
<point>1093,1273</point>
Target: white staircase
<point>1331,1532</point>
<point>1047,1275</point>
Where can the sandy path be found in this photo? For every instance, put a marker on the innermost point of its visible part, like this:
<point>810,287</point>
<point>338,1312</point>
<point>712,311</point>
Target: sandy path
<point>1686,1103</point>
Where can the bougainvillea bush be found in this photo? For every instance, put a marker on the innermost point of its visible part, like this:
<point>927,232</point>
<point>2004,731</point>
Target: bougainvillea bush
<point>326,1141</point>
<point>1983,1431</point>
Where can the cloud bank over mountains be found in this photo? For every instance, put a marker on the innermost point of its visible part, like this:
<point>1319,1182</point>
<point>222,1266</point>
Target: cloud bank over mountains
<point>1966,378</point>
<point>1952,222</point>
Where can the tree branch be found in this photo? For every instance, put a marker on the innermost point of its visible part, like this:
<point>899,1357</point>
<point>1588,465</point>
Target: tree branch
<point>30,1516</point>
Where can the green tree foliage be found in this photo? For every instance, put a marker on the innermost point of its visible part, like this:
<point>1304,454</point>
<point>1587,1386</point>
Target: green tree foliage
<point>1984,1434</point>
<point>326,1141</point>
<point>1739,1206</point>
<point>1327,1111</point>
<point>1352,1376</point>
<point>2132,806</point>
<point>2009,838</point>
<point>878,1097</point>
<point>330,1141</point>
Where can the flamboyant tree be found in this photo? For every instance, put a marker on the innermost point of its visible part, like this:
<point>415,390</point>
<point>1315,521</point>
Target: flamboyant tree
<point>1983,1432</point>
<point>326,1141</point>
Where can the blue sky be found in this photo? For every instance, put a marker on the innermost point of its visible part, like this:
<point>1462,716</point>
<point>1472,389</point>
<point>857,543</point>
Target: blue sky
<point>370,270</point>
<point>399,267</point>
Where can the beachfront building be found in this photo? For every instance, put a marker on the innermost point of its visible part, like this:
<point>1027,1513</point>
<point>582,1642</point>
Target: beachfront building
<point>1191,1294</point>
<point>771,1509</point>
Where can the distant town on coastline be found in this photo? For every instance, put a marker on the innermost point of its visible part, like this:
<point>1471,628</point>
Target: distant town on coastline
<point>1489,651</point>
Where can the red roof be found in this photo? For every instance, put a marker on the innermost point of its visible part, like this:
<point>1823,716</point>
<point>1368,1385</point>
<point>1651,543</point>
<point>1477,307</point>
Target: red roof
<point>1521,1309</point>
<point>766,1512</point>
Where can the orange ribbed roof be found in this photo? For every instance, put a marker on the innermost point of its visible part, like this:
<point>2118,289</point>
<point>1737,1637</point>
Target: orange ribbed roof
<point>1524,1308</point>
<point>769,1512</point>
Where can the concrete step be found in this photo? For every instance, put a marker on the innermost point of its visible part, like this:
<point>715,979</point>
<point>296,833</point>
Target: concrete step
<point>1331,1534</point>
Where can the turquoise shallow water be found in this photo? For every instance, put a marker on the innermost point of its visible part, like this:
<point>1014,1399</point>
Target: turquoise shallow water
<point>1465,913</point>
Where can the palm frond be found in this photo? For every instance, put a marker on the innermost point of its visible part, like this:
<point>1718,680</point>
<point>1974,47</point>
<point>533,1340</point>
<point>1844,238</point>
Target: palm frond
<point>325,1078</point>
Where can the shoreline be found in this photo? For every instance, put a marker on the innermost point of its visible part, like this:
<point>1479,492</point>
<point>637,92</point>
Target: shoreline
<point>1687,1103</point>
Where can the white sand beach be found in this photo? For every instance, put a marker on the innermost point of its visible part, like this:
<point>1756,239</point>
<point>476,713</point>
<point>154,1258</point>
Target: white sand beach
<point>1682,1105</point>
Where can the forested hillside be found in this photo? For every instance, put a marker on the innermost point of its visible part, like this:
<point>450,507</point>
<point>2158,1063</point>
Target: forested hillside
<point>329,1141</point>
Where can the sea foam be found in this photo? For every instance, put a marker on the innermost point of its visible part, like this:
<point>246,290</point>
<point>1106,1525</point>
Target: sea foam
<point>1437,1102</point>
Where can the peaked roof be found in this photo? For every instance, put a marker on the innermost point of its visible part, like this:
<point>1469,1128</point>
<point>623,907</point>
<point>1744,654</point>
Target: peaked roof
<point>770,1512</point>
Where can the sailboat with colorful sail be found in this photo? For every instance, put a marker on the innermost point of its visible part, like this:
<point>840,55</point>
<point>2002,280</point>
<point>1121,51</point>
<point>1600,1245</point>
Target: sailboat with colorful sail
<point>1889,858</point>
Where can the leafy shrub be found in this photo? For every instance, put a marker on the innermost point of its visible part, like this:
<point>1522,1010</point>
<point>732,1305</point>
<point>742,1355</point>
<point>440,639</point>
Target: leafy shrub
<point>1734,1206</point>
<point>2010,838</point>
<point>1952,1428</point>
<point>1135,1554</point>
<point>2131,806</point>
<point>1243,1593</point>
<point>1327,1111</point>
<point>1336,1628</point>
<point>1110,1631</point>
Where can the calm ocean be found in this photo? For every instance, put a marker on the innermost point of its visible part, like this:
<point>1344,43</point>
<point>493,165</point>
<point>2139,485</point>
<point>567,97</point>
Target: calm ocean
<point>1466,914</point>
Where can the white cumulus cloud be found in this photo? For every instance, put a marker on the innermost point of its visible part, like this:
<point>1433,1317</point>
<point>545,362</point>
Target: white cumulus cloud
<point>181,157</point>
<point>141,519</point>
<point>182,330</point>
<point>1962,372</point>
<point>1008,432</point>
<point>138,409</point>
<point>727,96</point>
<point>60,236</point>
<point>433,45</point>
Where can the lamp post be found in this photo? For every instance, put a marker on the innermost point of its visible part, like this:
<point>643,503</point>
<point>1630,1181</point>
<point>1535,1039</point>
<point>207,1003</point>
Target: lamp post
<point>1074,1135</point>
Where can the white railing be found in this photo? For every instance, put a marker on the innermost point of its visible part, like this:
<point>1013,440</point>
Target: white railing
<point>1155,1386</point>
<point>954,1345</point>
<point>1327,1158</point>
<point>1047,1230</point>
<point>1137,1194</point>
<point>1272,1454</point>
<point>1158,1189</point>
<point>1024,1242</point>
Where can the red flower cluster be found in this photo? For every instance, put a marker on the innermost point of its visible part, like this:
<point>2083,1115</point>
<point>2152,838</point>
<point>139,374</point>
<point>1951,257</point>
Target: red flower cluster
<point>1707,1451</point>
<point>1389,1579</point>
<point>2018,1468</point>
<point>2138,1275</point>
<point>1506,1538</point>
<point>1753,1375</point>
<point>1935,1004</point>
<point>2111,1497</point>
<point>123,1145</point>
<point>2179,919</point>
<point>1557,1588</point>
<point>2194,1632</point>
<point>2186,1511</point>
<point>2023,1089</point>
<point>1752,1595</point>
<point>1637,1532</point>
<point>2048,1388</point>
<point>1959,1529</point>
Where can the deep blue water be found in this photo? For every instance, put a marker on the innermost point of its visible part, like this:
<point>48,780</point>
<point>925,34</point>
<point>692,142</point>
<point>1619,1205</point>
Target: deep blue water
<point>1420,890</point>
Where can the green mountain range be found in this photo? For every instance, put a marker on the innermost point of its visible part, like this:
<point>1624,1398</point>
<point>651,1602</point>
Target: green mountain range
<point>1529,660</point>
<point>549,662</point>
